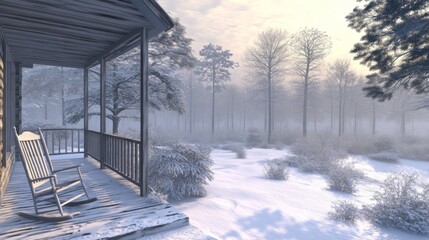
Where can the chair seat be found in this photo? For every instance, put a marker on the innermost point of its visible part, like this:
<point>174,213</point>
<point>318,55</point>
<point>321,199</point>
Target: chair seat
<point>59,187</point>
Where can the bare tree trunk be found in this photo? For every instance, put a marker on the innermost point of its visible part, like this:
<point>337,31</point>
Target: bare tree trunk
<point>63,111</point>
<point>373,117</point>
<point>403,123</point>
<point>213,101</point>
<point>46,108</point>
<point>304,114</point>
<point>340,121</point>
<point>190,105</point>
<point>343,115</point>
<point>270,106</point>
<point>115,124</point>
<point>332,113</point>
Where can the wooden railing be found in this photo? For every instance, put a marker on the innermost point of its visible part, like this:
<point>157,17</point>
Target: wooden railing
<point>117,153</point>
<point>64,141</point>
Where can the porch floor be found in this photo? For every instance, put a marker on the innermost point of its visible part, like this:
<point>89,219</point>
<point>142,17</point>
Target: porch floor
<point>119,212</point>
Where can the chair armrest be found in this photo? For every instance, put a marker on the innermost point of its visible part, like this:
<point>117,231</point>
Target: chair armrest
<point>68,168</point>
<point>42,178</point>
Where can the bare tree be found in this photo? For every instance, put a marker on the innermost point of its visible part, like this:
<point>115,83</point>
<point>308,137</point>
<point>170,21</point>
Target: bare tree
<point>310,46</point>
<point>266,60</point>
<point>341,73</point>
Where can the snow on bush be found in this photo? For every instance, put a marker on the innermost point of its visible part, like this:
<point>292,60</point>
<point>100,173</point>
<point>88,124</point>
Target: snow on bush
<point>384,157</point>
<point>181,170</point>
<point>344,211</point>
<point>402,202</point>
<point>237,148</point>
<point>276,169</point>
<point>253,138</point>
<point>384,144</point>
<point>317,154</point>
<point>343,177</point>
<point>157,197</point>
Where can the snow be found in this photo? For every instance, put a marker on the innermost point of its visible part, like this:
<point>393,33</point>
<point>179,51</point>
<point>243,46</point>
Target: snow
<point>243,204</point>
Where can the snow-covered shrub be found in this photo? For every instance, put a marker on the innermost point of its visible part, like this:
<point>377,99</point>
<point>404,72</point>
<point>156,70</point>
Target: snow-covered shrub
<point>414,148</point>
<point>384,144</point>
<point>157,197</point>
<point>385,156</point>
<point>360,145</point>
<point>181,170</point>
<point>276,169</point>
<point>293,161</point>
<point>239,150</point>
<point>317,154</point>
<point>344,211</point>
<point>343,177</point>
<point>279,146</point>
<point>402,202</point>
<point>253,138</point>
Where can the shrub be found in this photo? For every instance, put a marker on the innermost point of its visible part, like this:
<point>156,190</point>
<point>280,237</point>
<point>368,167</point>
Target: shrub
<point>317,155</point>
<point>401,203</point>
<point>344,211</point>
<point>157,197</point>
<point>276,169</point>
<point>253,138</point>
<point>384,157</point>
<point>384,144</point>
<point>181,170</point>
<point>239,150</point>
<point>361,145</point>
<point>343,177</point>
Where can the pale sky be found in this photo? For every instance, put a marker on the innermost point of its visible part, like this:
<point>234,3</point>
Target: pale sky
<point>234,24</point>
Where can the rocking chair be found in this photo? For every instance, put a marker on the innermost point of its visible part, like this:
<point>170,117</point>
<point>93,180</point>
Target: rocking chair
<point>42,178</point>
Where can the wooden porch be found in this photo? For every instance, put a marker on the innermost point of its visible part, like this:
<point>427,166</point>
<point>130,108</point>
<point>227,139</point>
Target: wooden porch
<point>119,212</point>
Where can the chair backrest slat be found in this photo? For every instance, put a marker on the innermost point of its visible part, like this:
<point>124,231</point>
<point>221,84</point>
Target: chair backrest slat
<point>35,162</point>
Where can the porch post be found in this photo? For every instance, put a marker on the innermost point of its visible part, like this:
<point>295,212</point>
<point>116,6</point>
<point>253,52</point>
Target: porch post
<point>144,100</point>
<point>102,111</point>
<point>85,111</point>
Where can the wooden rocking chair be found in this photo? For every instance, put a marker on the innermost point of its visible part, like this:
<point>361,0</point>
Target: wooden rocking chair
<point>42,178</point>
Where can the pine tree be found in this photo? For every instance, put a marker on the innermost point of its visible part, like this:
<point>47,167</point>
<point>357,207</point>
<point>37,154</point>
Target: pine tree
<point>394,45</point>
<point>215,65</point>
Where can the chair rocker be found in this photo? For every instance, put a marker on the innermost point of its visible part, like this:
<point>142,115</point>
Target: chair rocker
<point>47,192</point>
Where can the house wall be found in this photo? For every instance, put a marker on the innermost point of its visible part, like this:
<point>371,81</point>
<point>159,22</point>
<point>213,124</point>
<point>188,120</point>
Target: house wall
<point>7,115</point>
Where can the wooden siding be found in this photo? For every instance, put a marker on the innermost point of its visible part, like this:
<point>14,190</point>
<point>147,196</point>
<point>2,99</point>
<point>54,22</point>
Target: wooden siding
<point>5,173</point>
<point>119,212</point>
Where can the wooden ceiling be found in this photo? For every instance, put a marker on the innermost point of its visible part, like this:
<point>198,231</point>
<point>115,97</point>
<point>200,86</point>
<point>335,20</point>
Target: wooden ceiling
<point>75,33</point>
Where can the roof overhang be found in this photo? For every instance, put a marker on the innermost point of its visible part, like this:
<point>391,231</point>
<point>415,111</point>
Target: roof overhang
<point>76,33</point>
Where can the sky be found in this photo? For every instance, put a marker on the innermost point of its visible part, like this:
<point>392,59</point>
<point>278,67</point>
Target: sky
<point>235,24</point>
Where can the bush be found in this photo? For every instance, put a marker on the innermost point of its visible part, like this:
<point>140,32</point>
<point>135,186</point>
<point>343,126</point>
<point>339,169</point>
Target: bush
<point>384,144</point>
<point>344,211</point>
<point>401,203</point>
<point>239,150</point>
<point>253,138</point>
<point>317,155</point>
<point>384,157</point>
<point>343,177</point>
<point>276,169</point>
<point>157,197</point>
<point>180,170</point>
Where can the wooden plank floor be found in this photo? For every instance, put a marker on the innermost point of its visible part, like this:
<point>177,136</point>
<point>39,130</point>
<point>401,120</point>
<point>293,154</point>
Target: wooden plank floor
<point>119,212</point>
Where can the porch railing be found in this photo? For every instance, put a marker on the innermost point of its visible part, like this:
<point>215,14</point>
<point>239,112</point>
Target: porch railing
<point>64,141</point>
<point>119,154</point>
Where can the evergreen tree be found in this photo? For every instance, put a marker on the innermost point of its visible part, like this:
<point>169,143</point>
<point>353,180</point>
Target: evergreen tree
<point>215,65</point>
<point>394,45</point>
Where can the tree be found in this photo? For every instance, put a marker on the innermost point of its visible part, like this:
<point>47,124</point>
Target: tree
<point>341,73</point>
<point>266,60</point>
<point>310,46</point>
<point>168,53</point>
<point>48,86</point>
<point>215,65</point>
<point>394,45</point>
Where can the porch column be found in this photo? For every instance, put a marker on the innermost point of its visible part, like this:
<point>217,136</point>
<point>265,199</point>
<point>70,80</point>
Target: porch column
<point>102,111</point>
<point>85,110</point>
<point>144,100</point>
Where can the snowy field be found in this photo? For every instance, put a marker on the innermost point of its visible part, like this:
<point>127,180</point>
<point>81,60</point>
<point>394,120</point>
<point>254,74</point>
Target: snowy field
<point>243,204</point>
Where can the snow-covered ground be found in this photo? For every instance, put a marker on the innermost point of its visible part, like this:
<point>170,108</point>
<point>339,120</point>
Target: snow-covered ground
<point>243,204</point>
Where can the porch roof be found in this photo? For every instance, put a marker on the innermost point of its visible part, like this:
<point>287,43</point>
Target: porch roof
<point>76,33</point>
